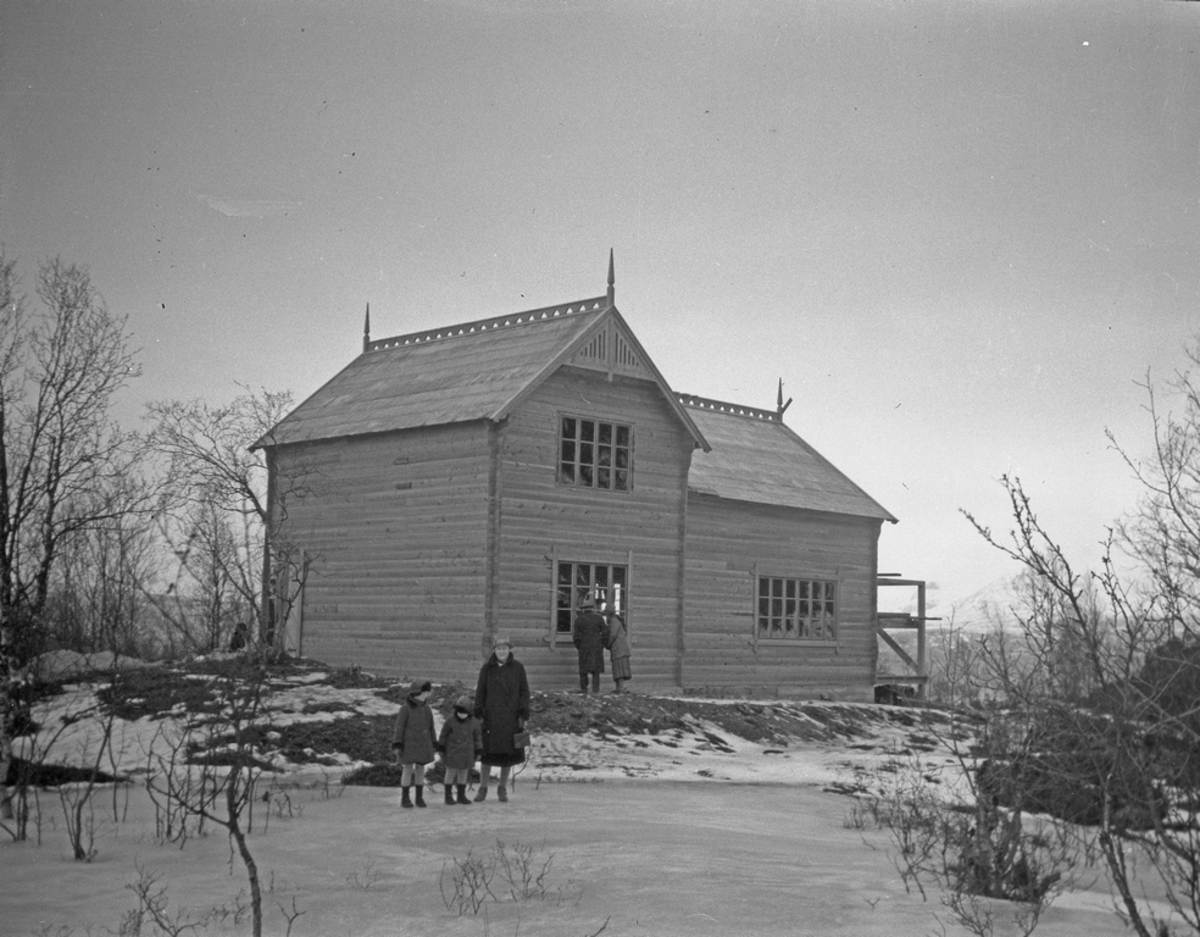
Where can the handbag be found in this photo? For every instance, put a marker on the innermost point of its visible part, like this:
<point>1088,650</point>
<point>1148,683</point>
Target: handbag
<point>521,739</point>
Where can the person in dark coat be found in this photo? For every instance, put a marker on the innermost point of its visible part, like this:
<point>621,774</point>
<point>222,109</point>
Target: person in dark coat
<point>590,636</point>
<point>502,702</point>
<point>460,743</point>
<point>618,649</point>
<point>414,741</point>
<point>238,641</point>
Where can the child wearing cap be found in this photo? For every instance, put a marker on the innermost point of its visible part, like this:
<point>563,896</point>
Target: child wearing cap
<point>414,741</point>
<point>460,744</point>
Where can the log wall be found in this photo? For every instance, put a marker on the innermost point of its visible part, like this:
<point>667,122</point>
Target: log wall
<point>423,542</point>
<point>728,543</point>
<point>542,521</point>
<point>395,529</point>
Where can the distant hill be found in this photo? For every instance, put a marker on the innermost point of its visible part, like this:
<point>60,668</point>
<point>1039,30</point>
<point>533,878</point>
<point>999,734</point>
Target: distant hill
<point>983,609</point>
<point>976,612</point>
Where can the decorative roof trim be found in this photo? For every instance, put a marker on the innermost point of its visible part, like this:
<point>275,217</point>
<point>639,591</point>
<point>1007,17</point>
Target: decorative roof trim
<point>568,351</point>
<point>487,325</point>
<point>733,409</point>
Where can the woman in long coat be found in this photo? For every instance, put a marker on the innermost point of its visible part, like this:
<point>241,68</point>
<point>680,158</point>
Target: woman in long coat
<point>502,702</point>
<point>618,649</point>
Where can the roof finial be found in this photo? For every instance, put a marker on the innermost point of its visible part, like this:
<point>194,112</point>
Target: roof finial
<point>780,406</point>
<point>612,291</point>
<point>367,328</point>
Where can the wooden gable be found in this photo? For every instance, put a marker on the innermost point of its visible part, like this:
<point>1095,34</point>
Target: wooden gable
<point>612,349</point>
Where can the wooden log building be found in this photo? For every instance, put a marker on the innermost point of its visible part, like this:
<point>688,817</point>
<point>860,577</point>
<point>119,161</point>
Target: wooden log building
<point>489,476</point>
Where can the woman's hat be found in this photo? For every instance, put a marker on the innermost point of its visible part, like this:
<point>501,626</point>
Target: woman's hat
<point>420,686</point>
<point>501,639</point>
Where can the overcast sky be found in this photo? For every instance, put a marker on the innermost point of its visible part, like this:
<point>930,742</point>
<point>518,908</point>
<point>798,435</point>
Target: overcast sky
<point>960,232</point>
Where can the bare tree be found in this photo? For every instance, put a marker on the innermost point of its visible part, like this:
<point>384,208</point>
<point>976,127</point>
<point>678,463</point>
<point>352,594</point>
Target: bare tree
<point>97,597</point>
<point>1099,681</point>
<point>61,365</point>
<point>214,471</point>
<point>220,786</point>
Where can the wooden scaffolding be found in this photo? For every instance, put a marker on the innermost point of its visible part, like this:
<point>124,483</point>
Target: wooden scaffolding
<point>916,673</point>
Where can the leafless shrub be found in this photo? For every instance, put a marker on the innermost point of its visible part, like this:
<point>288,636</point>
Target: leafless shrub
<point>524,873</point>
<point>152,908</point>
<point>76,799</point>
<point>290,914</point>
<point>469,880</point>
<point>365,879</point>
<point>222,788</point>
<point>465,884</point>
<point>975,853</point>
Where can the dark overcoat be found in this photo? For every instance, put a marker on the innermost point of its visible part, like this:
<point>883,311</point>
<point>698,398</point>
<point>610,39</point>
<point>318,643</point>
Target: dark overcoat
<point>460,741</point>
<point>618,643</point>
<point>502,702</point>
<point>590,636</point>
<point>414,732</point>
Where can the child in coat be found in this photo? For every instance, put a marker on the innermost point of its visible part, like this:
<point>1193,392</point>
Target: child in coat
<point>414,741</point>
<point>460,744</point>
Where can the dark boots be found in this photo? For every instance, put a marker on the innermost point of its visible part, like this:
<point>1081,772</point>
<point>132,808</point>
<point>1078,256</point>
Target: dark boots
<point>462,795</point>
<point>420,795</point>
<point>449,795</point>
<point>404,798</point>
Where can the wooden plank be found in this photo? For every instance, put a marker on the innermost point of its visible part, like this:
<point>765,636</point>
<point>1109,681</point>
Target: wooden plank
<point>903,654</point>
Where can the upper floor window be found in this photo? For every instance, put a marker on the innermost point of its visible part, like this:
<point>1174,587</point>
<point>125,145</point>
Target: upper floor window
<point>595,454</point>
<point>798,609</point>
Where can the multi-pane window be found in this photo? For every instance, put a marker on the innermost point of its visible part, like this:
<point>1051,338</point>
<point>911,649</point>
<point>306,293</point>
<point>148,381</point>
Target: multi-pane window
<point>595,454</point>
<point>798,609</point>
<point>602,584</point>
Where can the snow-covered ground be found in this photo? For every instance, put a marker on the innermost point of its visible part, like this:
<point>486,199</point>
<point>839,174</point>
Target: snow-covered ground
<point>685,829</point>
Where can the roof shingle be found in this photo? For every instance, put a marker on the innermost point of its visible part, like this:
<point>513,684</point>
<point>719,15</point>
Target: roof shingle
<point>756,458</point>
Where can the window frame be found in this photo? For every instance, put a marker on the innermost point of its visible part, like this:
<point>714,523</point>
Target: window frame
<point>578,591</point>
<point>595,467</point>
<point>796,588</point>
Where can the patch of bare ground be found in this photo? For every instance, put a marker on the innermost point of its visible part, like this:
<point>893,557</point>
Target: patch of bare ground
<point>366,738</point>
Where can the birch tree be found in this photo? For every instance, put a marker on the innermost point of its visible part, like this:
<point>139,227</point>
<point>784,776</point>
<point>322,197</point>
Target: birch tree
<point>218,484</point>
<point>62,460</point>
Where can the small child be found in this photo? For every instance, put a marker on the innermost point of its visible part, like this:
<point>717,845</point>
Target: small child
<point>414,741</point>
<point>460,745</point>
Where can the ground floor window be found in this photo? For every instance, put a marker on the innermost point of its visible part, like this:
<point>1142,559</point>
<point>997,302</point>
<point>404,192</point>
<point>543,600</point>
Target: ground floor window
<point>797,609</point>
<point>605,584</point>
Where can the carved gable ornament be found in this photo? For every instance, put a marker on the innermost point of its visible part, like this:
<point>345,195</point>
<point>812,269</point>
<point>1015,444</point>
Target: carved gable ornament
<point>611,350</point>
